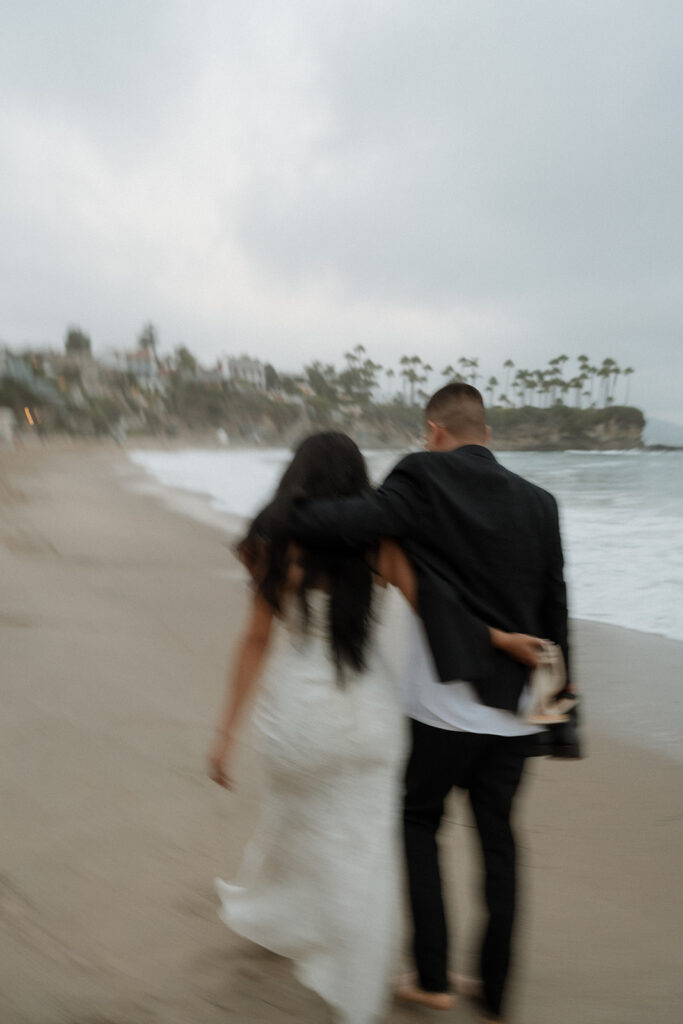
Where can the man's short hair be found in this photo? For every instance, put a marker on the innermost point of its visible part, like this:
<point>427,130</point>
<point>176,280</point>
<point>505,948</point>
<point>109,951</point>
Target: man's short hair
<point>459,409</point>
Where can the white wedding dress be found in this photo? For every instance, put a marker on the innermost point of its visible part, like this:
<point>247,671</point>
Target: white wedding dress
<point>319,881</point>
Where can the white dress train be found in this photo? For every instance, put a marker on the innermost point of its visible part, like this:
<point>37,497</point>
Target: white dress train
<point>319,882</point>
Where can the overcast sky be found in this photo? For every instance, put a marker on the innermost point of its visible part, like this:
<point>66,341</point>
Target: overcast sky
<point>290,179</point>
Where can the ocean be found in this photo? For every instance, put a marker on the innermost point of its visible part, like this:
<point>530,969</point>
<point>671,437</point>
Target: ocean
<point>621,514</point>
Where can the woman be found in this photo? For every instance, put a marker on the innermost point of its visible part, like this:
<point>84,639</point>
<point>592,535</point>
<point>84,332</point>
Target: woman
<point>319,881</point>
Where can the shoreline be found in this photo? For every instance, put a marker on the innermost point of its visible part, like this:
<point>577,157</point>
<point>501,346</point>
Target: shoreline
<point>641,725</point>
<point>206,440</point>
<point>118,615</point>
<point>201,506</point>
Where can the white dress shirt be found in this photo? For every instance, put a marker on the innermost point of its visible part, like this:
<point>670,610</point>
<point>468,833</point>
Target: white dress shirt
<point>455,705</point>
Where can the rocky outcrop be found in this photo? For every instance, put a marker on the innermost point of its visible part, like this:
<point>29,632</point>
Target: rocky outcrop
<point>560,428</point>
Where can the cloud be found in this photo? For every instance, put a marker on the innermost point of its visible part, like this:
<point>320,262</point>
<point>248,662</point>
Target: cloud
<point>294,179</point>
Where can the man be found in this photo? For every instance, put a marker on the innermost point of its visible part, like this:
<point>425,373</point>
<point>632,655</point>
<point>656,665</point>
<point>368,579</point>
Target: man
<point>483,539</point>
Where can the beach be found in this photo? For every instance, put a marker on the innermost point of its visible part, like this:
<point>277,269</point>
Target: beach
<point>118,610</point>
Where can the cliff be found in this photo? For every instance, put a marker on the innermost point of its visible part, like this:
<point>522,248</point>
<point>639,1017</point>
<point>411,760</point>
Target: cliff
<point>525,429</point>
<point>559,428</point>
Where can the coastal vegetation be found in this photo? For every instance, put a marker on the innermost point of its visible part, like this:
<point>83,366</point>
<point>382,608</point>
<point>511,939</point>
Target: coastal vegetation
<point>565,403</point>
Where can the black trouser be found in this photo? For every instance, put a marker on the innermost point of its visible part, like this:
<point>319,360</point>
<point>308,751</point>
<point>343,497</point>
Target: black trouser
<point>489,768</point>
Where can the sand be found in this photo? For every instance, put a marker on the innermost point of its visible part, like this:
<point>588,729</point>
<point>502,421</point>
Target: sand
<point>117,613</point>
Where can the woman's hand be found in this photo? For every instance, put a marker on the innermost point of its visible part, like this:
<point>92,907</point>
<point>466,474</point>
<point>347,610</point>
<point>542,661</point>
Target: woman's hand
<point>519,646</point>
<point>242,679</point>
<point>217,760</point>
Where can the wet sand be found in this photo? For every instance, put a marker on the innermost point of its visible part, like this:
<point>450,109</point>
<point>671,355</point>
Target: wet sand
<point>117,612</point>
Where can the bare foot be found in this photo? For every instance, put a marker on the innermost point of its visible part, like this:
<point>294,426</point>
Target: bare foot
<point>466,985</point>
<point>486,1016</point>
<point>411,993</point>
<point>463,984</point>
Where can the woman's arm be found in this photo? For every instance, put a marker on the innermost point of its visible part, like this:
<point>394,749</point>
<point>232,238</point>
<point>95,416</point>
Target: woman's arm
<point>395,509</point>
<point>242,678</point>
<point>518,646</point>
<point>395,568</point>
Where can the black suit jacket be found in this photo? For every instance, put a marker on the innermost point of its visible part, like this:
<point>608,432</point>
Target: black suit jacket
<point>485,545</point>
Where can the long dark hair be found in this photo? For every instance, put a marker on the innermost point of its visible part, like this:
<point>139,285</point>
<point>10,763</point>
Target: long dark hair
<point>325,465</point>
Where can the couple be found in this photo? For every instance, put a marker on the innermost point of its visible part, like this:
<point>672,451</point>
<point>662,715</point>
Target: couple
<point>476,551</point>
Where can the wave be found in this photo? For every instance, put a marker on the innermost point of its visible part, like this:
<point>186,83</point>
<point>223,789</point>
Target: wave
<point>621,520</point>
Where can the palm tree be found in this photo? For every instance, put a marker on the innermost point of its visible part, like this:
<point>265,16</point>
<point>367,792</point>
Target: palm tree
<point>591,375</point>
<point>421,378</point>
<point>520,384</point>
<point>491,387</point>
<point>576,384</point>
<point>147,341</point>
<point>185,362</point>
<point>463,363</point>
<point>627,373</point>
<point>410,375</point>
<point>543,383</point>
<point>556,375</point>
<point>556,386</point>
<point>353,358</point>
<point>508,366</point>
<point>539,377</point>
<point>448,373</point>
<point>605,373</point>
<point>426,370</point>
<point>405,363</point>
<point>412,378</point>
<point>616,373</point>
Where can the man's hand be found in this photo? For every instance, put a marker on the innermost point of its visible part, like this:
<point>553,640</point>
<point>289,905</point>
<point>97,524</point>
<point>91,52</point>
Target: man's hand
<point>519,646</point>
